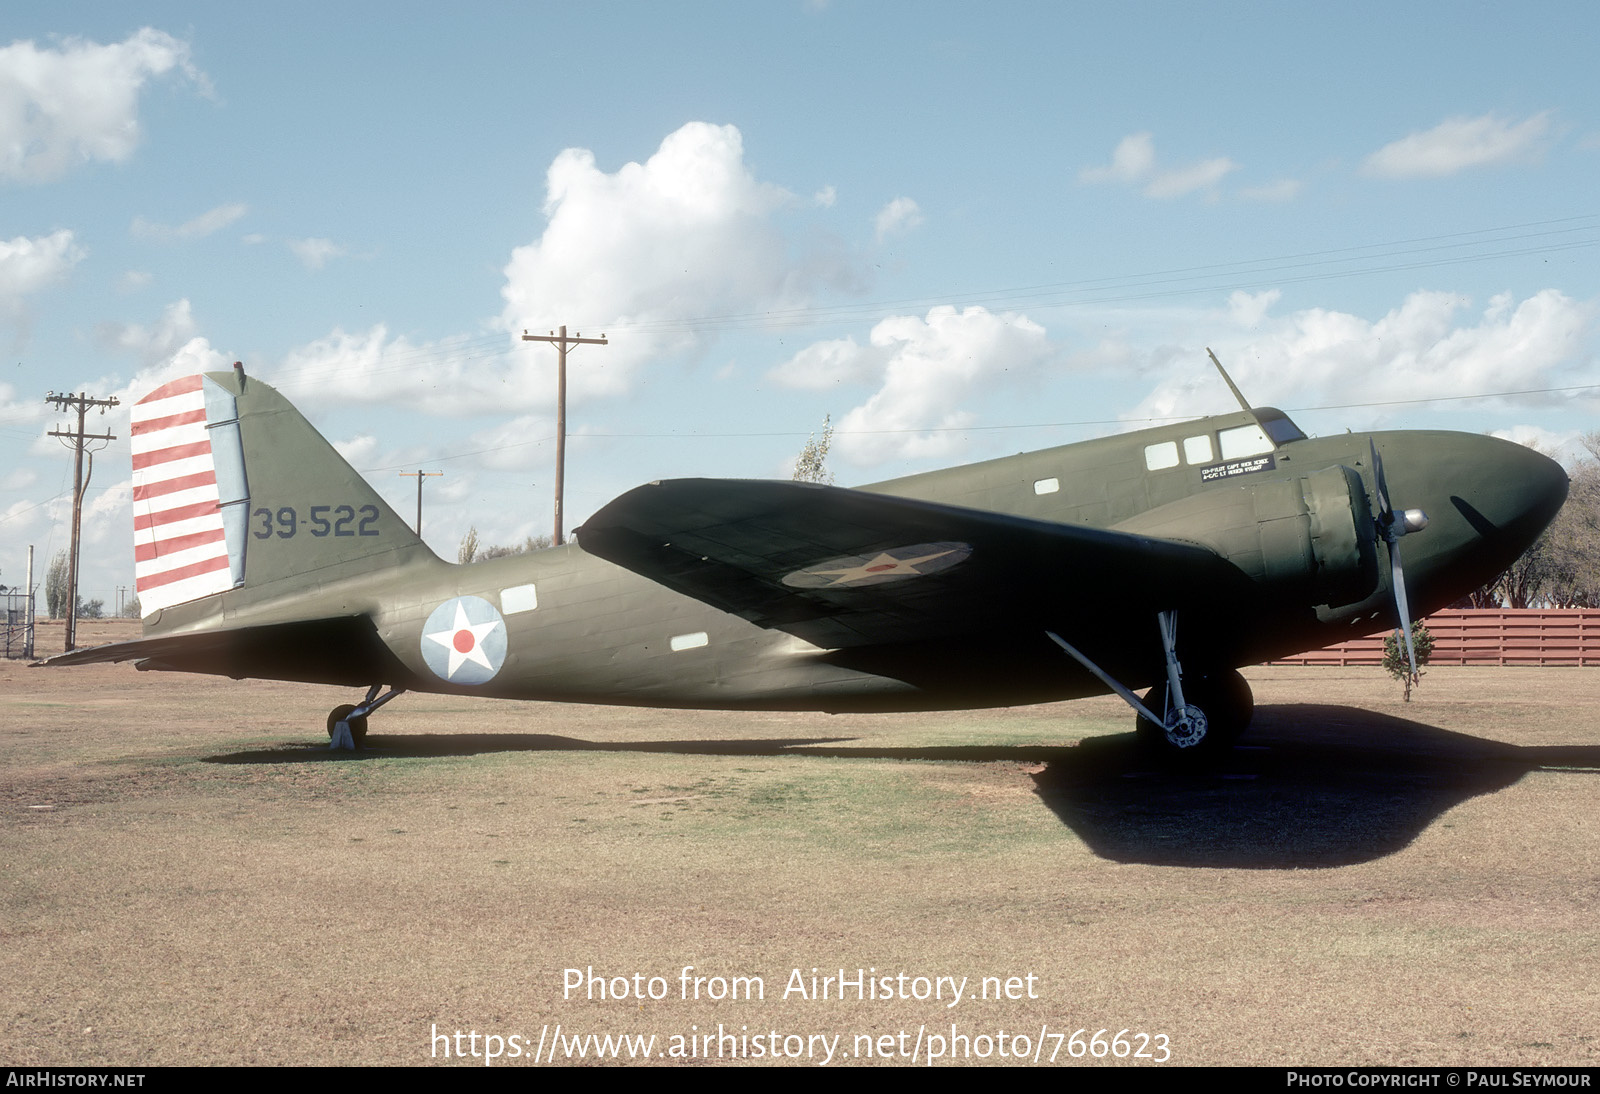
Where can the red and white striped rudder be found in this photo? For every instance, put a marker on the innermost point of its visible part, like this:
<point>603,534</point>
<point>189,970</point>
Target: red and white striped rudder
<point>179,543</point>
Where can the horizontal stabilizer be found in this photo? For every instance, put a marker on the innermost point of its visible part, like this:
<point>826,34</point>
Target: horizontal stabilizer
<point>344,650</point>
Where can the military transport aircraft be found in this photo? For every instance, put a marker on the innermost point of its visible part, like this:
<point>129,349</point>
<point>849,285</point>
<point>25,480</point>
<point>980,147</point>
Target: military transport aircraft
<point>1163,558</point>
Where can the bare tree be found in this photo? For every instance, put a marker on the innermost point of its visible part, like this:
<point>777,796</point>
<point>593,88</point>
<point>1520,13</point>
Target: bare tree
<point>812,464</point>
<point>55,586</point>
<point>532,543</point>
<point>1562,567</point>
<point>1569,550</point>
<point>470,551</point>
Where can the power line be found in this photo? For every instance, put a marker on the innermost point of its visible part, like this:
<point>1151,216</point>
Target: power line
<point>1421,252</point>
<point>698,436</point>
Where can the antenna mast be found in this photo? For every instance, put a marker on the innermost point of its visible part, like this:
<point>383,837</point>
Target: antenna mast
<point>1233,387</point>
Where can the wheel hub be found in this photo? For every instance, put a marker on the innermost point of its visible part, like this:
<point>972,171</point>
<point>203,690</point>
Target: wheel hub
<point>1187,727</point>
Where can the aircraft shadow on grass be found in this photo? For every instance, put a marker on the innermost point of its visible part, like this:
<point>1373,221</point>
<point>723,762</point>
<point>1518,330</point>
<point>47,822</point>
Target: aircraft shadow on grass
<point>1312,786</point>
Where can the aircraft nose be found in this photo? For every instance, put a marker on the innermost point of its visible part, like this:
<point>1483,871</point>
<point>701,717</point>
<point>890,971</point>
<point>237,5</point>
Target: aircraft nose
<point>1487,499</point>
<point>1508,493</point>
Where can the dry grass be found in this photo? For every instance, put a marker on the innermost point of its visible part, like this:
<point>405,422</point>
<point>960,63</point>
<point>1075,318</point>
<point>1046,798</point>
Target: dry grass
<point>190,878</point>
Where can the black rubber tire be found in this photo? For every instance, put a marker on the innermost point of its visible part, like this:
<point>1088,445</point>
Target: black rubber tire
<point>358,726</point>
<point>1223,695</point>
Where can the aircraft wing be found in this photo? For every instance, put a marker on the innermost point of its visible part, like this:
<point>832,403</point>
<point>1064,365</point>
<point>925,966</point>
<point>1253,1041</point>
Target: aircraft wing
<point>847,568</point>
<point>336,650</point>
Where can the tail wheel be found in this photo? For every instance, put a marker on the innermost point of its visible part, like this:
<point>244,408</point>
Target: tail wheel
<point>1219,710</point>
<point>358,726</point>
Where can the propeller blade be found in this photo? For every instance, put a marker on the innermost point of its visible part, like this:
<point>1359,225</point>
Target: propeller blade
<point>1398,580</point>
<point>1385,510</point>
<point>1391,534</point>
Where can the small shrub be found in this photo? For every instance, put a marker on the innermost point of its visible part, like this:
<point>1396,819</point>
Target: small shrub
<point>1395,662</point>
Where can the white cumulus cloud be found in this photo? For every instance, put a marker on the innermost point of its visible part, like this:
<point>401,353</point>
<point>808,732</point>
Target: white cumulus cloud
<point>28,265</point>
<point>1133,163</point>
<point>1430,346</point>
<point>157,342</point>
<point>1186,180</point>
<point>1566,447</point>
<point>358,450</point>
<point>315,252</point>
<point>79,103</point>
<point>654,255</point>
<point>212,220</point>
<point>932,368</point>
<point>1132,160</point>
<point>822,365</point>
<point>641,254</point>
<point>900,215</point>
<point>1457,144</point>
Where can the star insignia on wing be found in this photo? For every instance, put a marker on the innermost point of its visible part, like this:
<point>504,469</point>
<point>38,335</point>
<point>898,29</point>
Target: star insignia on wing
<point>894,564</point>
<point>882,565</point>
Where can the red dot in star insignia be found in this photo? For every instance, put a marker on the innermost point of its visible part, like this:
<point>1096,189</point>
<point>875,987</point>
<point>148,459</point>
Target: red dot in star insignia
<point>880,567</point>
<point>463,642</point>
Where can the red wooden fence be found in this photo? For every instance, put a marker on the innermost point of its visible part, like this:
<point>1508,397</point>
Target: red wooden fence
<point>1487,636</point>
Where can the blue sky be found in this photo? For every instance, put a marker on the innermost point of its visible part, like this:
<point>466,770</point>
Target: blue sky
<point>960,230</point>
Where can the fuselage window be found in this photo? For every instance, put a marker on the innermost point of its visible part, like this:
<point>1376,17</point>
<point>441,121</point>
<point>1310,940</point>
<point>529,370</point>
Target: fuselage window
<point>1244,440</point>
<point>693,641</point>
<point>1197,449</point>
<point>519,598</point>
<point>1160,456</point>
<point>1046,486</point>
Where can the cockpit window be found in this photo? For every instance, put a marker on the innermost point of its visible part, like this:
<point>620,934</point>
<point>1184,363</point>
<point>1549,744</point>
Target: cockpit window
<point>1244,440</point>
<point>1282,430</point>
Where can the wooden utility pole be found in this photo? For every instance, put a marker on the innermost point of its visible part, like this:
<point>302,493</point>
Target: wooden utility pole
<point>419,475</point>
<point>79,442</point>
<point>562,342</point>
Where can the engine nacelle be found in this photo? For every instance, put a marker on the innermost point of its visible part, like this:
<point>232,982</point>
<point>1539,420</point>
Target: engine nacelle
<point>1314,532</point>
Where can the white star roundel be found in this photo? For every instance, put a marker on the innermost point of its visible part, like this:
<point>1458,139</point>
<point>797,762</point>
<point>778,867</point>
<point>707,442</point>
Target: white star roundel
<point>464,641</point>
<point>895,564</point>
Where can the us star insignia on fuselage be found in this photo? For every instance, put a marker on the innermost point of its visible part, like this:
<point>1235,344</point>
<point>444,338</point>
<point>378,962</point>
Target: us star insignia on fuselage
<point>464,640</point>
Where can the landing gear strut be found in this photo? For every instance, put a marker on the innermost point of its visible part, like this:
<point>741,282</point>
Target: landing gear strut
<point>1190,715</point>
<point>347,725</point>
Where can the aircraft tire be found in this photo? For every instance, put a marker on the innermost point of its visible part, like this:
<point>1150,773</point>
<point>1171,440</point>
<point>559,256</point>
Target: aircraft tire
<point>358,726</point>
<point>1223,695</point>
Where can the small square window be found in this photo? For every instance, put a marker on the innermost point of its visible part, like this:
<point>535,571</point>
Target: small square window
<point>519,598</point>
<point>1159,456</point>
<point>1197,449</point>
<point>1046,486</point>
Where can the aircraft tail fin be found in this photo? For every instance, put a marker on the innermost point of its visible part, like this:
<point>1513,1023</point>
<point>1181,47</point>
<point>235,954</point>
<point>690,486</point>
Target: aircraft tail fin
<point>237,496</point>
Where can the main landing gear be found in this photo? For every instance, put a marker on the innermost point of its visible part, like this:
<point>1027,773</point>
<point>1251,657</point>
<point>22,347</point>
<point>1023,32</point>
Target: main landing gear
<point>1191,716</point>
<point>1225,707</point>
<point>347,725</point>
